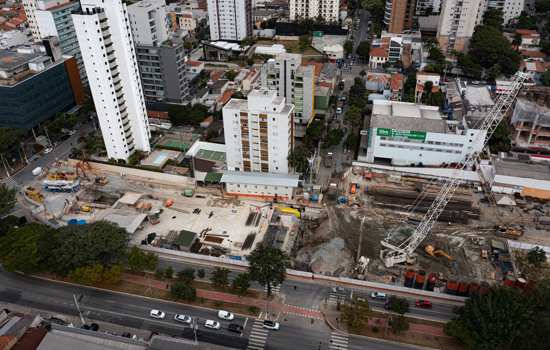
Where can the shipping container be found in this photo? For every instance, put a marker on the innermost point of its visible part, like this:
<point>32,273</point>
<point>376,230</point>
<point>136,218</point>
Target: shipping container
<point>452,287</point>
<point>432,280</point>
<point>420,279</point>
<point>409,278</point>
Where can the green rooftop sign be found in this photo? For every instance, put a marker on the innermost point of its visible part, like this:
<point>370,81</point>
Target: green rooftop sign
<point>410,134</point>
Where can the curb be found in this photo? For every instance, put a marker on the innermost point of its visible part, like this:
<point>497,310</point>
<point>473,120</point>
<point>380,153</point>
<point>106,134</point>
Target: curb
<point>127,294</point>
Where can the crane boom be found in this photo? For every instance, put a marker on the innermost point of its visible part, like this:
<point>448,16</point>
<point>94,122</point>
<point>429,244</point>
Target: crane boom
<point>395,254</point>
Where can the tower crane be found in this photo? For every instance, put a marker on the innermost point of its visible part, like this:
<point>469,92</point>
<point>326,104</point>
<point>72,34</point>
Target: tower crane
<point>392,254</point>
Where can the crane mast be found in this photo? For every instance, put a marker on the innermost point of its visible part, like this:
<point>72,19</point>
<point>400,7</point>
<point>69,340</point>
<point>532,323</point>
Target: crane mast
<point>394,254</point>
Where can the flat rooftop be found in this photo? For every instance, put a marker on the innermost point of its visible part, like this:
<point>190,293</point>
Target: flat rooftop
<point>251,178</point>
<point>407,116</point>
<point>10,59</point>
<point>520,169</point>
<point>478,96</point>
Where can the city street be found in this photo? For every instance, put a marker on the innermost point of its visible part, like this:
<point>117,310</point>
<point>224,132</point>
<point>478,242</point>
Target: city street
<point>132,311</point>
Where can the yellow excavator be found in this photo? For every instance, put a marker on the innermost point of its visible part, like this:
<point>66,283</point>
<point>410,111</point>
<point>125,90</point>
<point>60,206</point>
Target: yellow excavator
<point>432,251</point>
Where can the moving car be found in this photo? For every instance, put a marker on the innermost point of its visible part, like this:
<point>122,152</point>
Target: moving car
<point>212,324</point>
<point>233,327</point>
<point>424,304</point>
<point>378,295</point>
<point>183,319</point>
<point>271,325</point>
<point>157,314</point>
<point>226,315</point>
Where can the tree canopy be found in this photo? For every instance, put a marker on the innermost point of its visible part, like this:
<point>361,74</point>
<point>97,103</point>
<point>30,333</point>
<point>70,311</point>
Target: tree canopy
<point>298,158</point>
<point>348,47</point>
<point>488,47</point>
<point>504,318</point>
<point>363,50</point>
<point>356,314</point>
<point>25,249</point>
<point>493,18</point>
<point>7,199</point>
<point>189,114</point>
<point>267,266</point>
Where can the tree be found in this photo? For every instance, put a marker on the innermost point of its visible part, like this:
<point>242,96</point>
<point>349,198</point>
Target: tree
<point>8,139</point>
<point>85,245</point>
<point>493,17</point>
<point>525,21</point>
<point>503,318</point>
<point>398,305</point>
<point>181,290</point>
<point>304,42</point>
<point>267,266</point>
<point>356,315</point>
<point>489,47</point>
<point>363,50</point>
<point>186,275</point>
<point>333,138</point>
<point>545,78</point>
<point>139,261</point>
<point>354,116</point>
<point>357,93</point>
<point>201,273</point>
<point>399,324</point>
<point>241,283</point>
<point>348,47</point>
<point>501,140</point>
<point>26,248</point>
<point>469,65</point>
<point>220,277</point>
<point>7,199</point>
<point>169,272</point>
<point>536,256</point>
<point>409,87</point>
<point>298,158</point>
<point>230,75</point>
<point>436,55</point>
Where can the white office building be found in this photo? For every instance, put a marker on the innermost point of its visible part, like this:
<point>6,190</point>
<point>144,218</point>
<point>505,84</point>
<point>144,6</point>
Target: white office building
<point>53,18</point>
<point>328,10</point>
<point>405,134</point>
<point>230,20</point>
<point>296,83</point>
<point>457,22</point>
<point>105,39</point>
<point>258,132</point>
<point>149,22</point>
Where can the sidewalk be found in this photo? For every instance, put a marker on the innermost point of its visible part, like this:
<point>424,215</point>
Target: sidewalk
<point>274,305</point>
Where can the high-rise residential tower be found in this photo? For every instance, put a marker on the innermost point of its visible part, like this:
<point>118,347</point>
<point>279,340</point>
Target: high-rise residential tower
<point>230,20</point>
<point>107,47</point>
<point>398,15</point>
<point>328,10</point>
<point>457,22</point>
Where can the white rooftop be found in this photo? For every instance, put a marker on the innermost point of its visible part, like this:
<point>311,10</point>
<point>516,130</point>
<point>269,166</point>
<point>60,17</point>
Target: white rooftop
<point>478,96</point>
<point>251,178</point>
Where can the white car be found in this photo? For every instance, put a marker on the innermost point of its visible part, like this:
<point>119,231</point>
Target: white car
<point>226,315</point>
<point>48,150</point>
<point>183,319</point>
<point>378,295</point>
<point>212,324</point>
<point>157,314</point>
<point>271,325</point>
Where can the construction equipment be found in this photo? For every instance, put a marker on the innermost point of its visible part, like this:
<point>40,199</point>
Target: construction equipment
<point>101,180</point>
<point>34,194</point>
<point>85,208</point>
<point>432,251</point>
<point>395,253</point>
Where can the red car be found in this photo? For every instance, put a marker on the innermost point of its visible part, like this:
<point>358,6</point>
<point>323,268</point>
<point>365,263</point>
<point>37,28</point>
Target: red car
<point>424,304</point>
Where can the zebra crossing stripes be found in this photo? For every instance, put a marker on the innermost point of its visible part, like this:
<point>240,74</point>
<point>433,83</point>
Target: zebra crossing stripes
<point>274,289</point>
<point>10,182</point>
<point>338,341</point>
<point>258,336</point>
<point>333,298</point>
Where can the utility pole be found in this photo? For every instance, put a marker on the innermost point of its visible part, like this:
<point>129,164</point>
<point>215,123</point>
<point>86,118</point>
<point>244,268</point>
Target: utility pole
<point>360,239</point>
<point>78,309</point>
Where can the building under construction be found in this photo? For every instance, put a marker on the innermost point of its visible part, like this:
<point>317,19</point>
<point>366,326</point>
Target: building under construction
<point>531,120</point>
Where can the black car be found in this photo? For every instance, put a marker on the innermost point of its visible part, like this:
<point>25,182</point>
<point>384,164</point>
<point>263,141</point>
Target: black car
<point>235,328</point>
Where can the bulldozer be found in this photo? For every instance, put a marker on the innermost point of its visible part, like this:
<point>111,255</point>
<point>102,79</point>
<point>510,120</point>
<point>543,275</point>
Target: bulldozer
<point>34,194</point>
<point>433,251</point>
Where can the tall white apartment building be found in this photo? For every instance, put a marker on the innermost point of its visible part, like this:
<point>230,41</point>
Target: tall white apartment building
<point>30,7</point>
<point>296,83</point>
<point>258,132</point>
<point>457,23</point>
<point>103,32</point>
<point>328,10</point>
<point>230,20</point>
<point>510,8</point>
<point>149,22</point>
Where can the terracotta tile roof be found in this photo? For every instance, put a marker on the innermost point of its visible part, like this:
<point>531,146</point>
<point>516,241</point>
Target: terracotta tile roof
<point>216,75</point>
<point>225,97</point>
<point>378,52</point>
<point>318,66</point>
<point>527,32</point>
<point>194,63</point>
<point>396,82</point>
<point>158,115</point>
<point>6,340</point>
<point>533,53</point>
<point>325,84</point>
<point>31,339</point>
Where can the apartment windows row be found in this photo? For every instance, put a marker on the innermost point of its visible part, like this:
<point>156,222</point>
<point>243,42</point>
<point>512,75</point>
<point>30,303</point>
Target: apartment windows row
<point>408,140</point>
<point>420,148</point>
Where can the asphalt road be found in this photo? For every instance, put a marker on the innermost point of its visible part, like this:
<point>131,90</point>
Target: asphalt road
<point>362,32</point>
<point>131,311</point>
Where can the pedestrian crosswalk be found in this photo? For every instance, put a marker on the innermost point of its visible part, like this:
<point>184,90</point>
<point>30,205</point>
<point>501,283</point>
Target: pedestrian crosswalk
<point>9,182</point>
<point>258,336</point>
<point>338,341</point>
<point>334,298</point>
<point>275,290</point>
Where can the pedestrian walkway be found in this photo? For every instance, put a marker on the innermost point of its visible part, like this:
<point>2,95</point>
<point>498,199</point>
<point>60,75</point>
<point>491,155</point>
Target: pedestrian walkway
<point>338,341</point>
<point>334,297</point>
<point>274,290</point>
<point>9,182</point>
<point>258,336</point>
<point>302,311</point>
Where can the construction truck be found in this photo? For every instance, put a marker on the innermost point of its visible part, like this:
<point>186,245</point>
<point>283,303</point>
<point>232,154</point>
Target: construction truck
<point>34,194</point>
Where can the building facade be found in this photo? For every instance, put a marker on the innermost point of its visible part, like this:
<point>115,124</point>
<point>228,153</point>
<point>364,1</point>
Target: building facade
<point>30,7</point>
<point>404,134</point>
<point>510,8</point>
<point>230,20</point>
<point>398,15</point>
<point>149,22</point>
<point>33,87</point>
<point>457,22</point>
<point>53,18</point>
<point>328,10</point>
<point>258,132</point>
<point>107,47</point>
<point>296,83</point>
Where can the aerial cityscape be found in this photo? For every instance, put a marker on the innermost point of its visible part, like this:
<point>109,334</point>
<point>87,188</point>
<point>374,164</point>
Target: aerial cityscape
<point>274,174</point>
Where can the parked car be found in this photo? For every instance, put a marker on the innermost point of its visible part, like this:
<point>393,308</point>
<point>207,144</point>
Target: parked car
<point>424,304</point>
<point>338,289</point>
<point>272,325</point>
<point>48,150</point>
<point>157,314</point>
<point>378,295</point>
<point>339,110</point>
<point>212,324</point>
<point>183,319</point>
<point>226,315</point>
<point>233,327</point>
